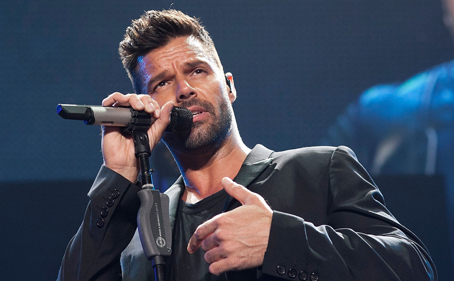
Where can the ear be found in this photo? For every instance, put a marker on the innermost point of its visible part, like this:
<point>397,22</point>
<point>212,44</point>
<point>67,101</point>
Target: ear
<point>230,86</point>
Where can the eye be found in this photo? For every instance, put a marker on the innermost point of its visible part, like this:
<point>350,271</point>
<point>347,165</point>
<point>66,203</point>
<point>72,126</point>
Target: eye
<point>199,71</point>
<point>159,85</point>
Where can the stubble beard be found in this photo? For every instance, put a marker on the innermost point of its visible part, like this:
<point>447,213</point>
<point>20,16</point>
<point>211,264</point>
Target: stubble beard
<point>205,134</point>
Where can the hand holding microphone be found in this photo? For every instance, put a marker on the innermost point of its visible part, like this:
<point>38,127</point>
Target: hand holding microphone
<point>145,121</point>
<point>118,149</point>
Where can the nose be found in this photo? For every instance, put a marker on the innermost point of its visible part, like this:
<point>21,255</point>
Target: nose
<point>184,90</point>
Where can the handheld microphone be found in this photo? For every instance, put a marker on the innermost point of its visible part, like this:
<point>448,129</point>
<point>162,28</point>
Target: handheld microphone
<point>180,118</point>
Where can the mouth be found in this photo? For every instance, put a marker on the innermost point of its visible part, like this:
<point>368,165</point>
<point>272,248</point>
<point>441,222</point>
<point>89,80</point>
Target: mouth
<point>195,113</point>
<point>196,110</point>
<point>198,113</point>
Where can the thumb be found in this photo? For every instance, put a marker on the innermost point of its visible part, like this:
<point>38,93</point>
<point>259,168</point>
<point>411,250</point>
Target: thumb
<point>237,191</point>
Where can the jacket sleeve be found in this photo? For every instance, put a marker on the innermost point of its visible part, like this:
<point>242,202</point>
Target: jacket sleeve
<point>108,226</point>
<point>360,241</point>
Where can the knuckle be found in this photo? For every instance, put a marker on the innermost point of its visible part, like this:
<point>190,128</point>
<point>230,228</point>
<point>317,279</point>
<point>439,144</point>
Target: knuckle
<point>198,233</point>
<point>208,257</point>
<point>155,103</point>
<point>233,263</point>
<point>222,219</point>
<point>237,264</point>
<point>235,185</point>
<point>131,96</point>
<point>220,235</point>
<point>255,199</point>
<point>228,249</point>
<point>205,245</point>
<point>145,97</point>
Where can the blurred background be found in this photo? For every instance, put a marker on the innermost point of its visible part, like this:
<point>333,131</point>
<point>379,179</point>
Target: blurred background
<point>297,66</point>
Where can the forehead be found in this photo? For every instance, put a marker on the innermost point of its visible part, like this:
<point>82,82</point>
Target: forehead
<point>177,51</point>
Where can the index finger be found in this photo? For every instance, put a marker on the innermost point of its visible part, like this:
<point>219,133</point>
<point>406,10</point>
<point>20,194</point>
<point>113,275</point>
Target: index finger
<point>115,98</point>
<point>201,233</point>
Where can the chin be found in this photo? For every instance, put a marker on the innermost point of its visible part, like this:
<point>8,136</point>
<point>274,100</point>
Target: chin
<point>204,135</point>
<point>200,138</point>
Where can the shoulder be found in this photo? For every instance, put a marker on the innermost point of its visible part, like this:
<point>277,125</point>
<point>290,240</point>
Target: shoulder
<point>314,156</point>
<point>312,151</point>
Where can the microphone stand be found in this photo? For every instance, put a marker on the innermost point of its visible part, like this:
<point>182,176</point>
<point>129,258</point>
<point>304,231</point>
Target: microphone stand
<point>153,218</point>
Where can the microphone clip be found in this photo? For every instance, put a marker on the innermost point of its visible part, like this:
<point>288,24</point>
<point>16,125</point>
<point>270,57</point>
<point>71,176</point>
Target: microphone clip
<point>140,121</point>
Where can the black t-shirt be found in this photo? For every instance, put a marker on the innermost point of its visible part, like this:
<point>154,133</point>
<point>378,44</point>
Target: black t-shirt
<point>182,266</point>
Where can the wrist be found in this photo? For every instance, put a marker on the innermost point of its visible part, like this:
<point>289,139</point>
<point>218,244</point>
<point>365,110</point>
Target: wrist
<point>129,173</point>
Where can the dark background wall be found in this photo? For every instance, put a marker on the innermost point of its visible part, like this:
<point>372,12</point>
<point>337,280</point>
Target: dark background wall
<point>296,65</point>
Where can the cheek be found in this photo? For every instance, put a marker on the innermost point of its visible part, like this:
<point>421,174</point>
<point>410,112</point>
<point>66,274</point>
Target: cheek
<point>163,97</point>
<point>207,90</point>
<point>216,88</point>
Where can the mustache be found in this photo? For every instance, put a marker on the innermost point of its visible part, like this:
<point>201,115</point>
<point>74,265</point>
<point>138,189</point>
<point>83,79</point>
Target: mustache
<point>208,107</point>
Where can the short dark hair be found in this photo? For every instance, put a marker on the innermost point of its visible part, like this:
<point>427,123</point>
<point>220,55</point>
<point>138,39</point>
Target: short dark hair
<point>155,29</point>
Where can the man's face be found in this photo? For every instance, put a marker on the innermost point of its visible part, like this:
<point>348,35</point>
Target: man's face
<point>184,72</point>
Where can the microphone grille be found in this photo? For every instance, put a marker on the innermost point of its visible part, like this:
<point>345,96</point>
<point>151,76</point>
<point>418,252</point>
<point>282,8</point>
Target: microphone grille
<point>180,119</point>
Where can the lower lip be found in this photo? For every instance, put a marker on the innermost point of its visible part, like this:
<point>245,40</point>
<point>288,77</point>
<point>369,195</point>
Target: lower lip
<point>199,117</point>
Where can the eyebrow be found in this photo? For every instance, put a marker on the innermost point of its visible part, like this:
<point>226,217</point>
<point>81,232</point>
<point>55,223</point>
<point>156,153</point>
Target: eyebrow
<point>196,63</point>
<point>160,76</point>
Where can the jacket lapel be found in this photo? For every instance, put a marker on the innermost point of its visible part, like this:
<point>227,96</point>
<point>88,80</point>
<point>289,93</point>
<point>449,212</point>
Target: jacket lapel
<point>256,161</point>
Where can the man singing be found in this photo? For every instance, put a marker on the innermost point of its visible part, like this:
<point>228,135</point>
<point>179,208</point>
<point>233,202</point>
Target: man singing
<point>236,213</point>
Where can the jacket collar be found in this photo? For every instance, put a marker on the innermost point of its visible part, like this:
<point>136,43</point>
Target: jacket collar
<point>256,161</point>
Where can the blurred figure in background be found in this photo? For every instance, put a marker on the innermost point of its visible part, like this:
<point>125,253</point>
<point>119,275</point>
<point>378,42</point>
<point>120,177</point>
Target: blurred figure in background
<point>406,128</point>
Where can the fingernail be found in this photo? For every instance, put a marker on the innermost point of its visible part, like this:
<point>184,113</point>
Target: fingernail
<point>140,105</point>
<point>226,180</point>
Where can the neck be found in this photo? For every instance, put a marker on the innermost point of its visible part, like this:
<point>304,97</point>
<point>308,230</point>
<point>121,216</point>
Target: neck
<point>203,171</point>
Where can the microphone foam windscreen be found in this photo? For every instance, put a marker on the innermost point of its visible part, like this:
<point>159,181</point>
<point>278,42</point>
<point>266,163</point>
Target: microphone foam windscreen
<point>180,119</point>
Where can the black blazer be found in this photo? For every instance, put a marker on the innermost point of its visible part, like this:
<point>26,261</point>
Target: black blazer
<point>329,223</point>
